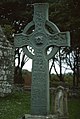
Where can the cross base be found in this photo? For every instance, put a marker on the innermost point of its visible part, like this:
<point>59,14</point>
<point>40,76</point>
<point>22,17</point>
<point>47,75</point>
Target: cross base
<point>28,116</point>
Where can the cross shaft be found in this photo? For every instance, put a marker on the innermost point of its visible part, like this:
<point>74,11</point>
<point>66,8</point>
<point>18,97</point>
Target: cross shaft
<point>40,40</point>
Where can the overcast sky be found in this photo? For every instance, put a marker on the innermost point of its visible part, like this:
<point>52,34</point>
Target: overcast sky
<point>28,66</point>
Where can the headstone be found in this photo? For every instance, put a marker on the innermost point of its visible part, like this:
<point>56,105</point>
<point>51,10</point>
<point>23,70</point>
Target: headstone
<point>6,65</point>
<point>59,101</point>
<point>40,40</point>
<point>60,106</point>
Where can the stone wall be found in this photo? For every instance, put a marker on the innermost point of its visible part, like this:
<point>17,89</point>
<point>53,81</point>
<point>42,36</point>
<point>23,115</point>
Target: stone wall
<point>6,61</point>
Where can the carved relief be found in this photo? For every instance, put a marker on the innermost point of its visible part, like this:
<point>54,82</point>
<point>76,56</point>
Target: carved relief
<point>39,65</point>
<point>39,40</point>
<point>39,20</point>
<point>58,39</point>
<point>21,40</point>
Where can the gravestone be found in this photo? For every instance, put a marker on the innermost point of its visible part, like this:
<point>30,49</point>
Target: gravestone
<point>60,105</point>
<point>40,40</point>
<point>6,65</point>
<point>59,101</point>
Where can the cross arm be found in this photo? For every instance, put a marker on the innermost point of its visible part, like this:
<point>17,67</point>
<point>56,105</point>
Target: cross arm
<point>59,39</point>
<point>21,40</point>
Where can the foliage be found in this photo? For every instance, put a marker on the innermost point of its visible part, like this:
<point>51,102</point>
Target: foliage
<point>8,31</point>
<point>68,79</point>
<point>65,14</point>
<point>15,14</point>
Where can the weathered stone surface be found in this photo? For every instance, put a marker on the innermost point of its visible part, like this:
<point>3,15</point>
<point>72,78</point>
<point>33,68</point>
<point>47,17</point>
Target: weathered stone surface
<point>27,116</point>
<point>59,102</point>
<point>5,88</point>
<point>6,63</point>
<point>40,40</point>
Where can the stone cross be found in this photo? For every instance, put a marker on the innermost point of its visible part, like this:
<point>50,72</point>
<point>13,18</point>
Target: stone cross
<point>40,40</point>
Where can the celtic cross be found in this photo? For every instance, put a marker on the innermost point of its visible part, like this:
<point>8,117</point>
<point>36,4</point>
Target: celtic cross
<point>40,40</point>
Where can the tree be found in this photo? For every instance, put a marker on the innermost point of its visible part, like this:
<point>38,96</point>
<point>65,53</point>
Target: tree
<point>64,13</point>
<point>12,22</point>
<point>21,59</point>
<point>66,16</point>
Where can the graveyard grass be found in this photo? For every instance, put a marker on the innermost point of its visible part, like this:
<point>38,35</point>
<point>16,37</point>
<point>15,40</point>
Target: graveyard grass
<point>74,108</point>
<point>17,104</point>
<point>14,105</point>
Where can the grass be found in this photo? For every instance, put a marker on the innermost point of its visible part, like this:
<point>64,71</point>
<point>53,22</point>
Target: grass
<point>17,104</point>
<point>14,106</point>
<point>74,108</point>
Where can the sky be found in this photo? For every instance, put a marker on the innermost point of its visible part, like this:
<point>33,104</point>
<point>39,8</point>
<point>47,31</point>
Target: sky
<point>28,66</point>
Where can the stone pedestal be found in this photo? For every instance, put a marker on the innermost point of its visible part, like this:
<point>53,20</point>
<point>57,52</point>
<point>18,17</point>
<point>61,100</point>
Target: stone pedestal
<point>27,116</point>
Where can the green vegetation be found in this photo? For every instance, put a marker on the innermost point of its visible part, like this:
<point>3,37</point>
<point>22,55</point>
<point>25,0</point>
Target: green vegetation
<point>74,108</point>
<point>17,104</point>
<point>14,106</point>
<point>68,79</point>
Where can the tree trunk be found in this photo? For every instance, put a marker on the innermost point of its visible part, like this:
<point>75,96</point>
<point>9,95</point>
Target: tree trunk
<point>18,79</point>
<point>61,76</point>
